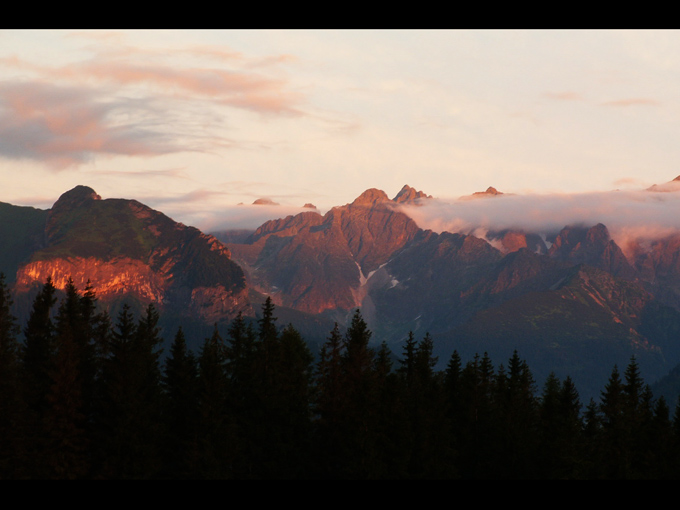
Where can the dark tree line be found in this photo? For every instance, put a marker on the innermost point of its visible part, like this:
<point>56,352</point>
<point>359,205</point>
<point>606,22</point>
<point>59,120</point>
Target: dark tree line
<point>85,396</point>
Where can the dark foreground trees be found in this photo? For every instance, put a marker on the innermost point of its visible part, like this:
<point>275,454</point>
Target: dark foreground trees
<point>85,397</point>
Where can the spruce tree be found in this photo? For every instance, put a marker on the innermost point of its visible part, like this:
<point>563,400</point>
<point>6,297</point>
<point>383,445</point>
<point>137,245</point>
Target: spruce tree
<point>475,437</point>
<point>257,421</point>
<point>329,404</point>
<point>39,349</point>
<point>431,451</point>
<point>571,426</point>
<point>455,410</point>
<point>38,364</point>
<point>616,463</point>
<point>12,414</point>
<point>221,453</point>
<point>66,432</point>
<point>358,421</point>
<point>663,445</point>
<point>290,408</point>
<point>550,417</point>
<point>180,385</point>
<point>130,427</point>
<point>409,359</point>
<point>592,441</point>
<point>517,420</point>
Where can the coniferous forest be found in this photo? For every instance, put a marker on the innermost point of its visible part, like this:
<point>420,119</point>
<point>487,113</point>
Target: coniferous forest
<point>88,396</point>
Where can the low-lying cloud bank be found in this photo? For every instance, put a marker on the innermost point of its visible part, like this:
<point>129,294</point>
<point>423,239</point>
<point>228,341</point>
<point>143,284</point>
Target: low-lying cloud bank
<point>636,217</point>
<point>237,217</point>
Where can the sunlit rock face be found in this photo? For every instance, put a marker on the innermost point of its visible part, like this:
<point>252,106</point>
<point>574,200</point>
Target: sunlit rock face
<point>316,263</point>
<point>407,194</point>
<point>110,279</point>
<point>127,251</point>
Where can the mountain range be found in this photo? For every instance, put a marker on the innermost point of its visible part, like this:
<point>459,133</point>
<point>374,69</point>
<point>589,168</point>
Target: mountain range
<point>570,301</point>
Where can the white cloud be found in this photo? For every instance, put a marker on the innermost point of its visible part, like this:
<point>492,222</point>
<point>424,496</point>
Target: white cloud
<point>639,215</point>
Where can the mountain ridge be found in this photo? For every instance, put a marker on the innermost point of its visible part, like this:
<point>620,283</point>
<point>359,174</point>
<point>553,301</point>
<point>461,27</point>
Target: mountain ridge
<point>370,254</point>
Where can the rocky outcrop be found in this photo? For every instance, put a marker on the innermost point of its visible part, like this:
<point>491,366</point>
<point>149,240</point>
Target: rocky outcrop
<point>410,195</point>
<point>127,251</point>
<point>110,279</point>
<point>593,246</point>
<point>490,192</point>
<point>370,197</point>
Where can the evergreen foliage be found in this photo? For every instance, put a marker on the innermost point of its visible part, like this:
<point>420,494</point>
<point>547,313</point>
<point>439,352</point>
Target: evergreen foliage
<point>180,386</point>
<point>82,398</point>
<point>11,404</point>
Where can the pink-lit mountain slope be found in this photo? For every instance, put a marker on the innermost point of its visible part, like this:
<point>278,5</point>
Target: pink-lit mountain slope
<point>130,252</point>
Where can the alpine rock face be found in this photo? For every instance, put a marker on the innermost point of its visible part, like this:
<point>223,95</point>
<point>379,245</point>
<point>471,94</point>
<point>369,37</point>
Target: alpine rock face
<point>125,250</point>
<point>318,264</point>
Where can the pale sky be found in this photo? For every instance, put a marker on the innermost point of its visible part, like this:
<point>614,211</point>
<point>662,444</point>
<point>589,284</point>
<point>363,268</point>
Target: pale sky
<point>194,122</point>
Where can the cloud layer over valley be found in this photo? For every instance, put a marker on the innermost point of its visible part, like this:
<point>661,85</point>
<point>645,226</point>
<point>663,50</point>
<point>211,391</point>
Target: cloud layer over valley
<point>631,216</point>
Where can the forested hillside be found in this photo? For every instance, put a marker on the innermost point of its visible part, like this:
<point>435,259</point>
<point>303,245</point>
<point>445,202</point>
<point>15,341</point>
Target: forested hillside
<point>88,396</point>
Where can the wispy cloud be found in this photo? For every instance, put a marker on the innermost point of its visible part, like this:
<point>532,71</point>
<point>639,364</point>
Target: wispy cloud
<point>179,173</point>
<point>630,181</point>
<point>66,125</point>
<point>632,101</point>
<point>133,102</point>
<point>217,209</point>
<point>233,88</point>
<point>239,85</point>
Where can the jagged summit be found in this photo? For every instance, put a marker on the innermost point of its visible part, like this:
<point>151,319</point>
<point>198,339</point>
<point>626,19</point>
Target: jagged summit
<point>490,191</point>
<point>371,197</point>
<point>409,194</point>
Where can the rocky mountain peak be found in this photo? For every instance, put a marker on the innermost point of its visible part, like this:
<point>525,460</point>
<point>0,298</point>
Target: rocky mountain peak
<point>599,234</point>
<point>579,237</point>
<point>69,201</point>
<point>371,197</point>
<point>127,250</point>
<point>264,201</point>
<point>593,246</point>
<point>76,197</point>
<point>408,194</point>
<point>489,191</point>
